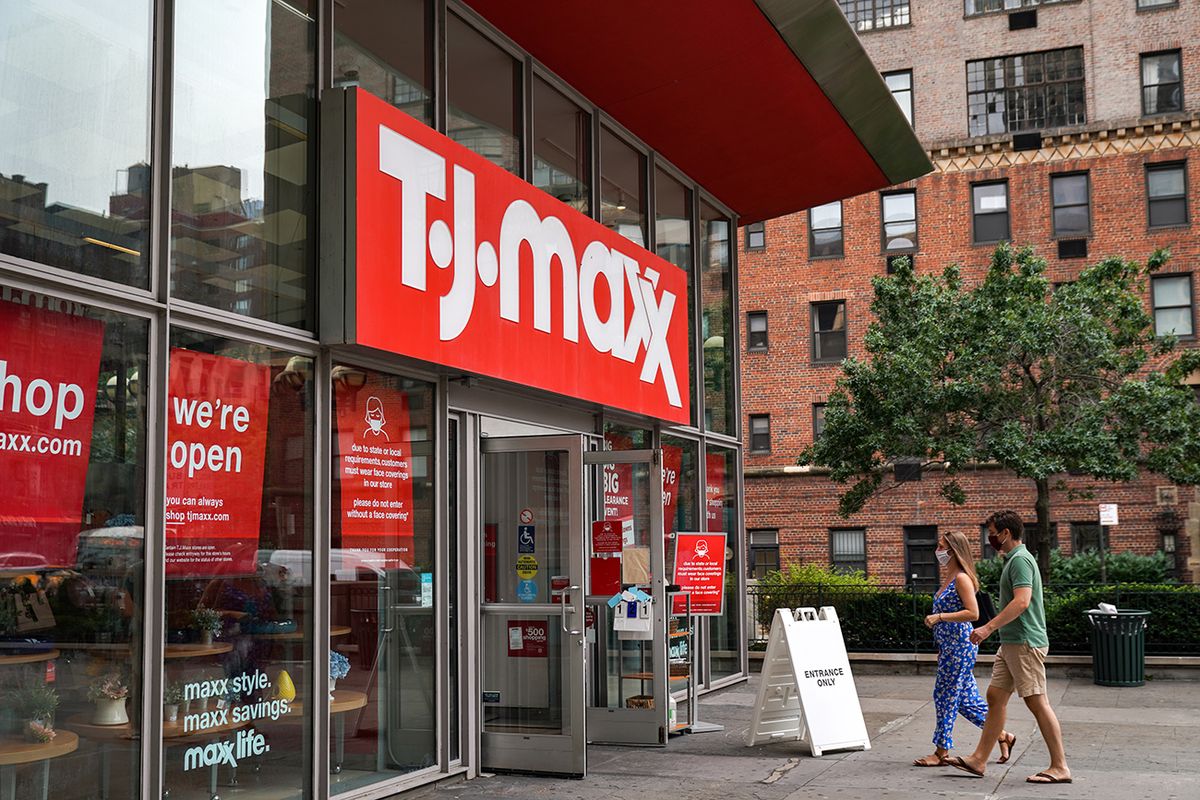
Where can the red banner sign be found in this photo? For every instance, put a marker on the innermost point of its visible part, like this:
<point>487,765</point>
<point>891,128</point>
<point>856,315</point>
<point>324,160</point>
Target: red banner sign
<point>461,263</point>
<point>606,536</point>
<point>216,448</point>
<point>527,638</point>
<point>672,458</point>
<point>375,467</point>
<point>700,571</point>
<point>714,490</point>
<point>49,370</point>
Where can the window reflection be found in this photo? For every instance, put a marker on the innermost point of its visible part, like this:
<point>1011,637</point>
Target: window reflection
<point>74,143</point>
<point>244,111</point>
<point>72,529</point>
<point>622,188</point>
<point>716,323</point>
<point>483,96</point>
<point>673,241</point>
<point>562,150</point>
<point>721,514</point>
<point>380,45</point>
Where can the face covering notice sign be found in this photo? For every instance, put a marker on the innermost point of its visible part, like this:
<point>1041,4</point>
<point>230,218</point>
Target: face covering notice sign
<point>216,449</point>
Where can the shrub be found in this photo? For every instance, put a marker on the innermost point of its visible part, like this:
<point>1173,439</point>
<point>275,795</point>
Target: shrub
<point>1084,568</point>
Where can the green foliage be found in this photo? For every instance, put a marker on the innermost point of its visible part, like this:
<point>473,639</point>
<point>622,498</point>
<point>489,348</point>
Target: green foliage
<point>35,700</point>
<point>1084,568</point>
<point>1173,626</point>
<point>1007,371</point>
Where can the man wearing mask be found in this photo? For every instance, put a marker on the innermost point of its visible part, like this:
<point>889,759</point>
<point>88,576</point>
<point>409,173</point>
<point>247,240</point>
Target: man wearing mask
<point>1021,660</point>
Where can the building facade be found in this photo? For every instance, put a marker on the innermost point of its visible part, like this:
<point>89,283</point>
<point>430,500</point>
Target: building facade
<point>1068,126</point>
<point>357,357</point>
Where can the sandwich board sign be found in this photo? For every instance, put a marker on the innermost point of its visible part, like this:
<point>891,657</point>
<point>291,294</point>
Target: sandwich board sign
<point>807,690</point>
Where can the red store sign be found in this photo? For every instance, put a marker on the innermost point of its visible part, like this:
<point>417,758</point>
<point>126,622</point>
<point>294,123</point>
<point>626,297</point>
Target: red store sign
<point>452,260</point>
<point>700,572</point>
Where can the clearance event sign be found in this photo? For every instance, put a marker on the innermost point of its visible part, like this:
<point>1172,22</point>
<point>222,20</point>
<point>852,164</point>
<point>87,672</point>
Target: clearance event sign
<point>700,571</point>
<point>455,261</point>
<point>49,371</point>
<point>375,466</point>
<point>216,449</point>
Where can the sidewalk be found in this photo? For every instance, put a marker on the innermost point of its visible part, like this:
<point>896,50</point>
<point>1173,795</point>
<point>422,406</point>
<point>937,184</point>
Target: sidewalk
<point>1122,744</point>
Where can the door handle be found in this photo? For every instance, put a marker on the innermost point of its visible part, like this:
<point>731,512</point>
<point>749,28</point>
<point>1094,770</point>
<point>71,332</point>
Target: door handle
<point>562,601</point>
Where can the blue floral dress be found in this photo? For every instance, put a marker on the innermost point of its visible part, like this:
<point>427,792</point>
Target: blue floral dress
<point>955,690</point>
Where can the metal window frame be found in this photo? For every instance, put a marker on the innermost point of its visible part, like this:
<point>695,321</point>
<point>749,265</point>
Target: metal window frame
<point>841,229</point>
<point>759,228</point>
<point>1143,86</point>
<point>1007,212</point>
<point>883,223</point>
<point>834,563</point>
<point>908,568</point>
<point>1191,306</point>
<point>818,412</point>
<point>752,548</point>
<point>814,333</point>
<point>753,434</point>
<point>1082,80</point>
<point>1165,166</point>
<point>867,16</point>
<point>1054,232</point>
<point>751,347</point>
<point>911,90</point>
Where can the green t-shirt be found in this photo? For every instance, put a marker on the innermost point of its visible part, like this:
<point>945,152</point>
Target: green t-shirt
<point>1021,569</point>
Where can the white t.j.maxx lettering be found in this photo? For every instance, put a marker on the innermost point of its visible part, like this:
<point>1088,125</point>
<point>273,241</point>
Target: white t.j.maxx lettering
<point>422,173</point>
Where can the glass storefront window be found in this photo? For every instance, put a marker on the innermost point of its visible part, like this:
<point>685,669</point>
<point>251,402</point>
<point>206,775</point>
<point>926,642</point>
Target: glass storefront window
<point>622,188</point>
<point>716,308</point>
<point>74,135</point>
<point>242,146</point>
<point>721,514</point>
<point>238,656</point>
<point>381,45</point>
<point>382,566</point>
<point>72,527</point>
<point>680,482</point>
<point>562,146</point>
<point>483,96</point>
<point>673,242</point>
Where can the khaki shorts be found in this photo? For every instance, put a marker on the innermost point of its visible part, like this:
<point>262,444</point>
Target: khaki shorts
<point>1020,668</point>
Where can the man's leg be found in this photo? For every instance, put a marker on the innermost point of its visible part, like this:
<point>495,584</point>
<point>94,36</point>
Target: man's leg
<point>997,716</point>
<point>1047,722</point>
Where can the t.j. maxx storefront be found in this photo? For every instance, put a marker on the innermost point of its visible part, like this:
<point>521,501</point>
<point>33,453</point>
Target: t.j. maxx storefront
<point>369,379</point>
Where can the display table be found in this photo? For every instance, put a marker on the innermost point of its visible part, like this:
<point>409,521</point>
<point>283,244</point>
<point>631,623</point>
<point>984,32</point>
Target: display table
<point>298,636</point>
<point>28,658</point>
<point>344,701</point>
<point>174,652</point>
<point>15,752</point>
<point>105,736</point>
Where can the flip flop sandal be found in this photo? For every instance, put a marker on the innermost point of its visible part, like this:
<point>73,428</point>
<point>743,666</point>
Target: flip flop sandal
<point>921,763</point>
<point>1008,744</point>
<point>1049,778</point>
<point>958,763</point>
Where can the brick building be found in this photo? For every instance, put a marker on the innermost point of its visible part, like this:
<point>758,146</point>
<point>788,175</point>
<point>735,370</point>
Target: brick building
<point>1069,126</point>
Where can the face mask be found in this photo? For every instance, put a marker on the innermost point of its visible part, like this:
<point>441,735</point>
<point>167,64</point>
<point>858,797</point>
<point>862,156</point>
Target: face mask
<point>994,541</point>
<point>943,556</point>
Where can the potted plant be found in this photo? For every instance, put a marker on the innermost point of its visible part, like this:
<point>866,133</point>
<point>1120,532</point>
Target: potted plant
<point>339,667</point>
<point>208,622</point>
<point>172,698</point>
<point>34,705</point>
<point>108,694</point>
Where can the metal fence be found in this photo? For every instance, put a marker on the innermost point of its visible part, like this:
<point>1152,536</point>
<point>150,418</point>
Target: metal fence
<point>890,618</point>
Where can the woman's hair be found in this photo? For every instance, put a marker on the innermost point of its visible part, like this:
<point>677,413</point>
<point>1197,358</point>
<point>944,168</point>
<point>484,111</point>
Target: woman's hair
<point>960,548</point>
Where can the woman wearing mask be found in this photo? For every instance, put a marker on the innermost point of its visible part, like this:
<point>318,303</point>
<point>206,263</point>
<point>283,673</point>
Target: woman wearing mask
<point>955,691</point>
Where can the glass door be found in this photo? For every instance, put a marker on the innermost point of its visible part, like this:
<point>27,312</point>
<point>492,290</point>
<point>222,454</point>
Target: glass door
<point>532,681</point>
<point>629,673</point>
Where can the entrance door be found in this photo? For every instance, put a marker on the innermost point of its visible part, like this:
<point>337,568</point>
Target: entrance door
<point>628,670</point>
<point>532,681</point>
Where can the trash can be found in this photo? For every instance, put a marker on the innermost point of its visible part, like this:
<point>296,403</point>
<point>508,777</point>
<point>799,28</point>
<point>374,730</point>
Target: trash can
<point>1118,647</point>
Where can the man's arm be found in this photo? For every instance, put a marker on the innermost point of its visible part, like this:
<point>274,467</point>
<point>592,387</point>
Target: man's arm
<point>1022,596</point>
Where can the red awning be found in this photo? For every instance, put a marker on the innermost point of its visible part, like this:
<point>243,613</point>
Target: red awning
<point>772,106</point>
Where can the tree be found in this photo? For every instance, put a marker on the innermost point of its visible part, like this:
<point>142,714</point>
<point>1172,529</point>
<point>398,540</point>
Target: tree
<point>1042,381</point>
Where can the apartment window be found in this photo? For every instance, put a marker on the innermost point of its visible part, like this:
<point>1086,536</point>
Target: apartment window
<point>1162,83</point>
<point>1166,194</point>
<point>756,236</point>
<point>1085,536</point>
<point>920,559</point>
<point>764,551</point>
<point>760,433</point>
<point>989,212</point>
<point>1155,4</point>
<point>818,420</point>
<point>829,331</point>
<point>756,331</point>
<point>1072,207</point>
<point>899,222</point>
<point>825,231</point>
<point>1026,92</point>
<point>870,15</point>
<point>848,549</point>
<point>1172,295</point>
<point>900,84</point>
<point>976,7</point>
